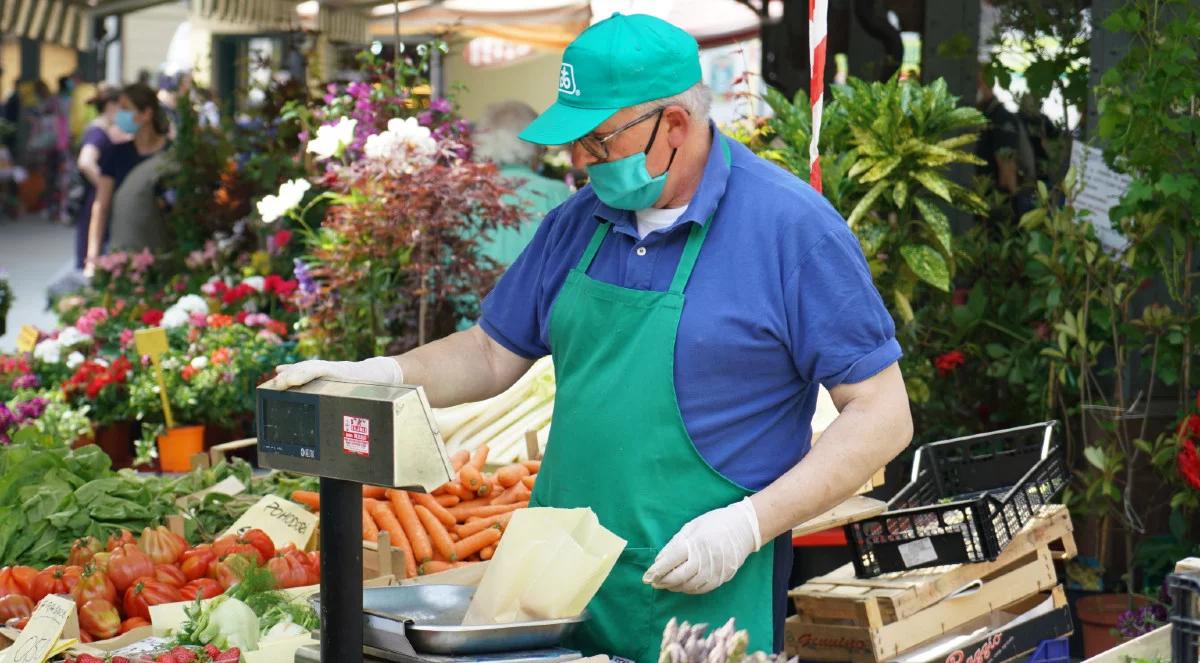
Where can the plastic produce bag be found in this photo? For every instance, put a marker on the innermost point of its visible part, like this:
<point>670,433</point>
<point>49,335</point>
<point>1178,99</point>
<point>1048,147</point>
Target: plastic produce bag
<point>549,565</point>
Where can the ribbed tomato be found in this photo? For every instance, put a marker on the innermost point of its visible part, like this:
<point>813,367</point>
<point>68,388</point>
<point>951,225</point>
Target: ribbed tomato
<point>288,571</point>
<point>83,550</point>
<point>17,580</point>
<point>205,588</point>
<point>162,545</point>
<point>146,592</point>
<point>128,563</point>
<point>115,541</point>
<point>254,538</point>
<point>94,584</point>
<point>15,605</point>
<point>169,574</point>
<point>55,579</point>
<point>100,618</point>
<point>230,570</point>
<point>196,561</point>
<point>132,623</point>
<point>100,560</point>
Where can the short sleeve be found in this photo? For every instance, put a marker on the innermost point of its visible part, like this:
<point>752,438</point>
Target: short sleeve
<point>841,333</point>
<point>512,312</point>
<point>95,137</point>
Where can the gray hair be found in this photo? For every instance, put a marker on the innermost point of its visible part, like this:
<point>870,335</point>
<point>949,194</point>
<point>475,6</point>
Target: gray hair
<point>496,139</point>
<point>696,99</point>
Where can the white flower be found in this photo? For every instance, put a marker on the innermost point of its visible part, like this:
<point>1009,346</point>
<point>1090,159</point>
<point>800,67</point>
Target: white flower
<point>174,317</point>
<point>331,139</point>
<point>49,351</point>
<point>256,282</point>
<point>409,129</point>
<point>210,286</point>
<point>71,336</point>
<point>100,361</point>
<point>405,147</point>
<point>290,194</point>
<point>200,363</point>
<point>168,364</point>
<point>74,360</point>
<point>192,304</point>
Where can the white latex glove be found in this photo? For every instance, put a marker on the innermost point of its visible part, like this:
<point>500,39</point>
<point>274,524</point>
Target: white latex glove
<point>708,551</point>
<point>383,370</point>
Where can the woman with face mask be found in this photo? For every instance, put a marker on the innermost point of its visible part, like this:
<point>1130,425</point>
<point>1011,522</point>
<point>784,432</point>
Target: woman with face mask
<point>101,134</point>
<point>129,172</point>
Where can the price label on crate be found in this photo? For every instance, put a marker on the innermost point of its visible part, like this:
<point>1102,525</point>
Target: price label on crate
<point>53,618</point>
<point>285,522</point>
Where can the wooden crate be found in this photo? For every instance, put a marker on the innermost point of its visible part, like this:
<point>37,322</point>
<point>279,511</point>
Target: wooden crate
<point>883,600</point>
<point>856,630</point>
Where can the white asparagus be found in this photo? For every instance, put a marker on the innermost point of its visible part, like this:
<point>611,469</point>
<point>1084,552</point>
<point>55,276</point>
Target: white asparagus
<point>485,436</point>
<point>497,406</point>
<point>508,446</point>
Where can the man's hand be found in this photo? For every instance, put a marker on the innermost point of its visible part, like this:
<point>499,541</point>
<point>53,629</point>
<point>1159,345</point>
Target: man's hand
<point>383,370</point>
<point>708,551</point>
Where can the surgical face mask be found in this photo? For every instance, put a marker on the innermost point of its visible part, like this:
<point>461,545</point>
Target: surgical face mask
<point>625,183</point>
<point>126,122</point>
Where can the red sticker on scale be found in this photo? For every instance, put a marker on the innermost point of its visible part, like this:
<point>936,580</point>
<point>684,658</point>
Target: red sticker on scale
<point>356,436</point>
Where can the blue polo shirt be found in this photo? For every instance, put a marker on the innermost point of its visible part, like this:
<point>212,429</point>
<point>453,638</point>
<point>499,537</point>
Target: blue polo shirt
<point>780,300</point>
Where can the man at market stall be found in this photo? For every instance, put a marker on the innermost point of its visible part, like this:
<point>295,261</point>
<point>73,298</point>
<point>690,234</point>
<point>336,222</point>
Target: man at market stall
<point>693,298</point>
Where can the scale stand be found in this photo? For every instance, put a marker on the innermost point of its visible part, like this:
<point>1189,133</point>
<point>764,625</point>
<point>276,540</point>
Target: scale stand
<point>349,434</point>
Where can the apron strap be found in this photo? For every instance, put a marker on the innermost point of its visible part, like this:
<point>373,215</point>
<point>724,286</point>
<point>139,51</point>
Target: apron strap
<point>593,246</point>
<point>691,250</point>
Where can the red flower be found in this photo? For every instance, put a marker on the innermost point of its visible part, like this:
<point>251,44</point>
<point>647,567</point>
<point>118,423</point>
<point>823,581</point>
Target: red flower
<point>221,356</point>
<point>237,293</point>
<point>276,327</point>
<point>218,320</point>
<point>959,298</point>
<point>948,362</point>
<point>240,318</point>
<point>1189,463</point>
<point>1189,428</point>
<point>152,317</point>
<point>282,238</point>
<point>188,372</point>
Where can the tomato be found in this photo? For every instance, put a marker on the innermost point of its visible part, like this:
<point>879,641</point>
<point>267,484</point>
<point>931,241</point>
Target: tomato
<point>15,605</point>
<point>83,550</point>
<point>128,563</point>
<point>287,571</point>
<point>196,561</point>
<point>205,588</point>
<point>314,567</point>
<point>255,538</point>
<point>145,593</point>
<point>85,637</point>
<point>55,579</point>
<point>94,584</point>
<point>132,623</point>
<point>100,560</point>
<point>100,618</point>
<point>162,545</point>
<point>115,542</point>
<point>228,571</point>
<point>169,574</point>
<point>17,580</point>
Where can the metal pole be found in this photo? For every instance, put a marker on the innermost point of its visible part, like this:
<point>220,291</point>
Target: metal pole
<point>396,40</point>
<point>341,571</point>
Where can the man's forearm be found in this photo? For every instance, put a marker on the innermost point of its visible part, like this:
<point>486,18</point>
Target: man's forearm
<point>460,368</point>
<point>866,436</point>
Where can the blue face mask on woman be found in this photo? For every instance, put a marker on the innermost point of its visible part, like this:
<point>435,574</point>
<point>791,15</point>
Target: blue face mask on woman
<point>126,122</point>
<point>625,183</point>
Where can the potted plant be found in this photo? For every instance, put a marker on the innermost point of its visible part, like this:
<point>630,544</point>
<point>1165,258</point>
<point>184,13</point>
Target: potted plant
<point>103,386</point>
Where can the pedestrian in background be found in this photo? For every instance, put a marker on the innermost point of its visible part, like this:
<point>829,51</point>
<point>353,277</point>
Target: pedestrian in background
<point>98,138</point>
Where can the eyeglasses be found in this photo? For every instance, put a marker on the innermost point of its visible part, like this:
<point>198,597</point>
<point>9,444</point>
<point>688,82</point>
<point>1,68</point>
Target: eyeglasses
<point>597,146</point>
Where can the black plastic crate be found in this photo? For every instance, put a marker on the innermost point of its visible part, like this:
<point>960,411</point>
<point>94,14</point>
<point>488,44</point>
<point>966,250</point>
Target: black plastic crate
<point>967,498</point>
<point>1185,616</point>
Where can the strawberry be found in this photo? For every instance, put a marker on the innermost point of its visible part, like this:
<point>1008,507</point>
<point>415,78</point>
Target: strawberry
<point>88,658</point>
<point>212,651</point>
<point>166,658</point>
<point>119,659</point>
<point>183,655</point>
<point>231,655</point>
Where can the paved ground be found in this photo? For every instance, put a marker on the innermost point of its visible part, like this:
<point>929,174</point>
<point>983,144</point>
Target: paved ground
<point>33,252</point>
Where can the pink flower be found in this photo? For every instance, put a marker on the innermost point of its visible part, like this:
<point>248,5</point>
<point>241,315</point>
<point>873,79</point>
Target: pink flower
<point>143,261</point>
<point>126,338</point>
<point>90,318</point>
<point>198,319</point>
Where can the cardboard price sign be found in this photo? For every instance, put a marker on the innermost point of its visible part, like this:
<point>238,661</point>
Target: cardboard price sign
<point>27,338</point>
<point>285,522</point>
<point>153,343</point>
<point>53,618</point>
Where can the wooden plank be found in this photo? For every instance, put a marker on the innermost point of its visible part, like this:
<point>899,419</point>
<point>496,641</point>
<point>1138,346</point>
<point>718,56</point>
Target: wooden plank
<point>1155,645</point>
<point>900,595</point>
<point>852,510</point>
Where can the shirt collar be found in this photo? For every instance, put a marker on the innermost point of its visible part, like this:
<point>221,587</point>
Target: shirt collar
<point>704,202</point>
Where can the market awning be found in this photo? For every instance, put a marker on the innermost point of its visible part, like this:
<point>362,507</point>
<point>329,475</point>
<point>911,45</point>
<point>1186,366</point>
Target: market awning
<point>52,21</point>
<point>344,25</point>
<point>266,14</point>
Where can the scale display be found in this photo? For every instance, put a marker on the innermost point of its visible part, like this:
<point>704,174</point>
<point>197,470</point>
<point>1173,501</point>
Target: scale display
<point>290,427</point>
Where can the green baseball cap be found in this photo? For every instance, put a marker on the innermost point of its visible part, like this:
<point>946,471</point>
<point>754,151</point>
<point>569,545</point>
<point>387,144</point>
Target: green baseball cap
<point>619,62</point>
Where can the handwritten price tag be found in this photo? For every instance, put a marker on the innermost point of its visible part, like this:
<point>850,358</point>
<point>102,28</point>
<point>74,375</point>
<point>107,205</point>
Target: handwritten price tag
<point>54,617</point>
<point>285,522</point>
<point>27,338</point>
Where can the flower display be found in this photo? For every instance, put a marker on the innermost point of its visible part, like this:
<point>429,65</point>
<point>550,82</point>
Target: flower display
<point>332,139</point>
<point>405,147</point>
<point>271,208</point>
<point>948,362</point>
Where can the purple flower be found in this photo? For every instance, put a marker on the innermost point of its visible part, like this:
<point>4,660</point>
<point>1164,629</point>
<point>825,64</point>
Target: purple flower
<point>440,105</point>
<point>304,277</point>
<point>31,409</point>
<point>27,381</point>
<point>425,118</point>
<point>7,417</point>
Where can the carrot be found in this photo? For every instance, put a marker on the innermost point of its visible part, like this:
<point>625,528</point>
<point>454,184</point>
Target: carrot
<point>489,488</point>
<point>470,478</point>
<point>487,553</point>
<point>528,481</point>
<point>309,498</point>
<point>388,523</point>
<point>476,542</point>
<point>518,493</point>
<point>370,530</point>
<point>468,529</point>
<point>374,492</point>
<point>454,536</point>
<point>484,511</point>
<point>459,459</point>
<point>435,508</point>
<point>438,535</point>
<point>460,491</point>
<point>469,504</point>
<point>417,536</point>
<point>435,567</point>
<point>511,475</point>
<point>534,466</point>
<point>479,458</point>
<point>447,500</point>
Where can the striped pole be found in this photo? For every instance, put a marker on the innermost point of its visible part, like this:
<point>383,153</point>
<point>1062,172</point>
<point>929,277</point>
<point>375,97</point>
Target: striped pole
<point>818,28</point>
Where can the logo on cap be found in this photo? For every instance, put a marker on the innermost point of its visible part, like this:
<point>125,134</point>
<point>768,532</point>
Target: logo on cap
<point>566,80</point>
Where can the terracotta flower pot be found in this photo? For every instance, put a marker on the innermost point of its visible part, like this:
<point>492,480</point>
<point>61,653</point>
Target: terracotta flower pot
<point>177,446</point>
<point>1099,614</point>
<point>116,439</point>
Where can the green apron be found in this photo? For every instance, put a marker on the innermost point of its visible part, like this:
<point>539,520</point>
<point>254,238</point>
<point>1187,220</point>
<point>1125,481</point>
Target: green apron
<point>619,446</point>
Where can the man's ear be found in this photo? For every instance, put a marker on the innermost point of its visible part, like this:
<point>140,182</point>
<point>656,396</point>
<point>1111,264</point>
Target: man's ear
<point>678,123</point>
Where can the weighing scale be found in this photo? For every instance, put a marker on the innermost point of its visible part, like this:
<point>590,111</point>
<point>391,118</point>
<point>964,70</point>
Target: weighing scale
<point>350,434</point>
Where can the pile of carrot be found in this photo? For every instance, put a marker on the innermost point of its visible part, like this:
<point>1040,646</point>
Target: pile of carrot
<point>459,523</point>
